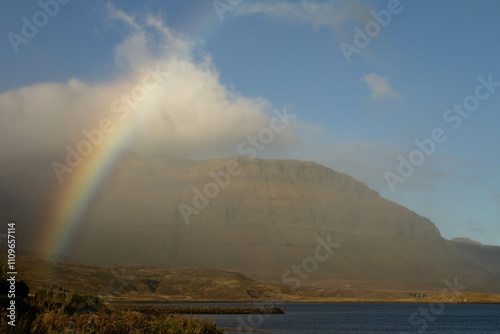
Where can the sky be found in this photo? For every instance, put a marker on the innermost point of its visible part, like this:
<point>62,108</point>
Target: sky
<point>401,95</point>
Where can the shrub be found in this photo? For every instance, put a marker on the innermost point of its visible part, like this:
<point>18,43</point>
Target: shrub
<point>50,298</point>
<point>55,310</point>
<point>83,304</point>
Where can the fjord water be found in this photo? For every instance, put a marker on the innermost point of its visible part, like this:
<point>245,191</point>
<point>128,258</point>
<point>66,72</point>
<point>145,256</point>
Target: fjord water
<point>368,318</point>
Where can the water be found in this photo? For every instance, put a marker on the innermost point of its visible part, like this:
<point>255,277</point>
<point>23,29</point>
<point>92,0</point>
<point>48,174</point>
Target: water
<point>367,318</point>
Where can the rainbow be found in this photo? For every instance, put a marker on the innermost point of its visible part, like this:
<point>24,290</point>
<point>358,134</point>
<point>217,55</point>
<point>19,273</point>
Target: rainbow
<point>73,201</point>
<point>80,189</point>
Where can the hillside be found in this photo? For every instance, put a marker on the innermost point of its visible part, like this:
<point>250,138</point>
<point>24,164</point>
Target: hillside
<point>147,284</point>
<point>266,220</point>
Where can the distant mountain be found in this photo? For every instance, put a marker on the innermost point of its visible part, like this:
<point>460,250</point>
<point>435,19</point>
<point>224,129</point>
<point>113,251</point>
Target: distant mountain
<point>485,257</point>
<point>467,241</point>
<point>267,218</point>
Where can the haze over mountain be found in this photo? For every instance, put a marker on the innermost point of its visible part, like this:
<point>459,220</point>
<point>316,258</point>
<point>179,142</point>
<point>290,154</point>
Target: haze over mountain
<point>266,220</point>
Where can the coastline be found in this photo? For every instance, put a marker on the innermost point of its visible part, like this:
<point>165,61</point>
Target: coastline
<point>494,300</point>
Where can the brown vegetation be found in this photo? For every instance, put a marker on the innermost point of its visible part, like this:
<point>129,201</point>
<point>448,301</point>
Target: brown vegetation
<point>56,310</point>
<point>107,322</point>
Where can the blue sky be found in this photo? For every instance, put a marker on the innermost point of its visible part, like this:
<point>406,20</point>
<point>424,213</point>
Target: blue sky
<point>357,117</point>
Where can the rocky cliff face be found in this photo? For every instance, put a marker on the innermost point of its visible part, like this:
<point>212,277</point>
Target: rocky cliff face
<point>262,217</point>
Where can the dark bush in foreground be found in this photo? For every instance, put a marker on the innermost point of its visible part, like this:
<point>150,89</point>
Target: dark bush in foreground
<point>55,310</point>
<point>110,323</point>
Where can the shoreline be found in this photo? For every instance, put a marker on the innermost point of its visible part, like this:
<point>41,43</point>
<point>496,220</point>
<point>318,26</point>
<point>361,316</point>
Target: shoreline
<point>156,309</point>
<point>170,302</point>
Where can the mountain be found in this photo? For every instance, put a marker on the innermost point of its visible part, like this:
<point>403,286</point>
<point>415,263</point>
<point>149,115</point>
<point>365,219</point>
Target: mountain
<point>272,220</point>
<point>486,257</point>
<point>467,241</point>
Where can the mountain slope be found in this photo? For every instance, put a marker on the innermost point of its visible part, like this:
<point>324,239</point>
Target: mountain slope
<point>266,220</point>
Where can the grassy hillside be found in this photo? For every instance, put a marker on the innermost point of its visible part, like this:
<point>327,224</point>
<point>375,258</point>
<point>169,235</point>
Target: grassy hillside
<point>141,283</point>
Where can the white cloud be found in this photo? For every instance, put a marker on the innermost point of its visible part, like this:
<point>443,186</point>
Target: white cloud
<point>379,87</point>
<point>332,14</point>
<point>190,113</point>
